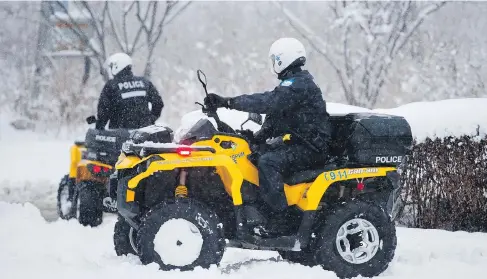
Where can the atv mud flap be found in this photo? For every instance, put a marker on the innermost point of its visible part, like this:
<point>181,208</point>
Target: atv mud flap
<point>129,210</point>
<point>394,201</point>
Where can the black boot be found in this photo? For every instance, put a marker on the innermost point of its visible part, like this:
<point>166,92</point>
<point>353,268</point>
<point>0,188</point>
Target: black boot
<point>257,224</point>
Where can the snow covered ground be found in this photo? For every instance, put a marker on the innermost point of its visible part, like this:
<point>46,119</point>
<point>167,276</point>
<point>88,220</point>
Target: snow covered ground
<point>36,244</point>
<point>35,248</point>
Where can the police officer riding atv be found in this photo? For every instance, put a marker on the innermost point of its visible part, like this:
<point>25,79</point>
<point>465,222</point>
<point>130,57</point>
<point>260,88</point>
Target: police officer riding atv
<point>125,104</point>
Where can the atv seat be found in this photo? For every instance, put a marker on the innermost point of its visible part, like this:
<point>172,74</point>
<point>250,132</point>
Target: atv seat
<point>79,142</point>
<point>308,175</point>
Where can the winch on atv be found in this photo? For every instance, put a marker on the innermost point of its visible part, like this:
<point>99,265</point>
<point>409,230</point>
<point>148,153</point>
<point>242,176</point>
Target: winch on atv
<point>181,204</point>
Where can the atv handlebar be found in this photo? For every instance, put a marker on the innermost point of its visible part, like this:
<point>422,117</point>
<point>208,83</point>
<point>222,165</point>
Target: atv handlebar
<point>210,111</point>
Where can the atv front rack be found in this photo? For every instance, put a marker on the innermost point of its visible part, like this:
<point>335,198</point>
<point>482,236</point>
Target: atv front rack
<point>149,148</point>
<point>182,150</point>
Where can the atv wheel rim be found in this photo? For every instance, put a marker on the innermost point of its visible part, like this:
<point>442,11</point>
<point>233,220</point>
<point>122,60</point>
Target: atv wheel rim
<point>357,241</point>
<point>64,202</point>
<point>178,242</point>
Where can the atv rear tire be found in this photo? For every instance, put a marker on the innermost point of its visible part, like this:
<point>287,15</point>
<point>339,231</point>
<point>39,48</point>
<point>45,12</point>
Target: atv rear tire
<point>181,235</point>
<point>335,251</point>
<point>89,206</point>
<point>65,193</point>
<point>121,238</point>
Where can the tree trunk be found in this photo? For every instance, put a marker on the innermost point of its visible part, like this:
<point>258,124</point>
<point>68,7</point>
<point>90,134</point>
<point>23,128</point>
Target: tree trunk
<point>40,59</point>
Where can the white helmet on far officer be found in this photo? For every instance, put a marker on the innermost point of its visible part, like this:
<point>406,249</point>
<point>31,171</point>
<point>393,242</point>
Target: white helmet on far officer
<point>285,52</point>
<point>116,63</point>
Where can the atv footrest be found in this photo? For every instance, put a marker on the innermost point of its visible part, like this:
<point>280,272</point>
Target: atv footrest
<point>287,243</point>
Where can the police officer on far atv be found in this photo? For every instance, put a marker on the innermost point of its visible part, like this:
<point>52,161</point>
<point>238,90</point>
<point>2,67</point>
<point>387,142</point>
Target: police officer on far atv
<point>124,101</point>
<point>295,107</point>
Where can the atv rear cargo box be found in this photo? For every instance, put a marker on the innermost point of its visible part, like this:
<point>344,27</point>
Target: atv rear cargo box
<point>105,145</point>
<point>371,139</point>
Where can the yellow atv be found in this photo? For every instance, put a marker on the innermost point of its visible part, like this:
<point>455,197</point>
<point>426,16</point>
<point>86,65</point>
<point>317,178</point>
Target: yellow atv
<point>84,193</point>
<point>181,204</point>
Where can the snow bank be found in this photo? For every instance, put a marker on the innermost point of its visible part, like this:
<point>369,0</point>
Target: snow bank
<point>31,170</point>
<point>455,117</point>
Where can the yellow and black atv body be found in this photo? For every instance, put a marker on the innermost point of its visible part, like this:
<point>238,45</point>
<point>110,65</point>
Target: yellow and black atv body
<point>84,193</point>
<point>181,204</point>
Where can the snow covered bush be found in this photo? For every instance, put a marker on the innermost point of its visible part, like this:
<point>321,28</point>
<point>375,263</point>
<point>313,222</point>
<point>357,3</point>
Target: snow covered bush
<point>445,184</point>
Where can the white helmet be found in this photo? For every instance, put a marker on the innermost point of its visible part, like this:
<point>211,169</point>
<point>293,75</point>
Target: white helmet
<point>117,62</point>
<point>284,52</point>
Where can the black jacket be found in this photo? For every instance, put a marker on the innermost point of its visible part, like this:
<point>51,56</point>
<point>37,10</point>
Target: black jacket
<point>124,101</point>
<point>295,106</point>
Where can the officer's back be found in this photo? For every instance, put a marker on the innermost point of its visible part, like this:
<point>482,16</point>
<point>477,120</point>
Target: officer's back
<point>124,101</point>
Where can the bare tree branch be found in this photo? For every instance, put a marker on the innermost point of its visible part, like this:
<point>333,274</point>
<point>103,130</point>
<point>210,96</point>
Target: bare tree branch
<point>176,14</point>
<point>310,37</point>
<point>115,31</point>
<point>149,24</point>
<point>124,23</point>
<point>371,32</point>
<point>74,28</point>
<point>424,14</point>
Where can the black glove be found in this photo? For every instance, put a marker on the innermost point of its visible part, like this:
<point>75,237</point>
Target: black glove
<point>215,101</point>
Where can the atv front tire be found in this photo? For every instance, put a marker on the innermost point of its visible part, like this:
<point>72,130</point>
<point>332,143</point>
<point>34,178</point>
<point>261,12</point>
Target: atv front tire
<point>89,206</point>
<point>358,238</point>
<point>123,238</point>
<point>65,194</point>
<point>180,235</point>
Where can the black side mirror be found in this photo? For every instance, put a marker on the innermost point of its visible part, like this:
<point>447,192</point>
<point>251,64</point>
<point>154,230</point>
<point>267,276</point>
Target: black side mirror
<point>255,117</point>
<point>91,119</point>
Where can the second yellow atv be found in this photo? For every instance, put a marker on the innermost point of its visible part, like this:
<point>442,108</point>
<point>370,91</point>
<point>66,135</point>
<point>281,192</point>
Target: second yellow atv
<point>181,204</point>
<point>87,190</point>
<point>82,193</point>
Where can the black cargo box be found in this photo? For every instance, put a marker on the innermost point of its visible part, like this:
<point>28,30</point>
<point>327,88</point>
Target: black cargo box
<point>368,139</point>
<point>105,145</point>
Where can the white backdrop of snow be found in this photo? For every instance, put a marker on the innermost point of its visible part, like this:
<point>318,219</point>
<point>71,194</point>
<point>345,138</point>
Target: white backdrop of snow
<point>35,163</point>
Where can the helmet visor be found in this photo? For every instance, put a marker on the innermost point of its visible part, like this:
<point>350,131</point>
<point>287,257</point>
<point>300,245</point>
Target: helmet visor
<point>272,63</point>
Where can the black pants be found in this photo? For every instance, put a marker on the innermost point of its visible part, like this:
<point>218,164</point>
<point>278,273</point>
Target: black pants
<point>276,164</point>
